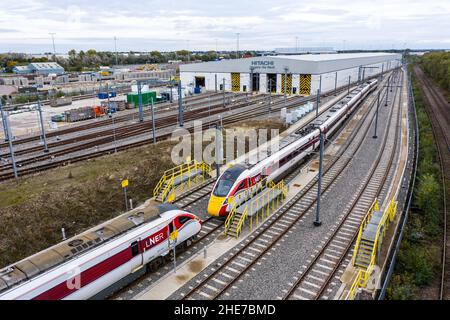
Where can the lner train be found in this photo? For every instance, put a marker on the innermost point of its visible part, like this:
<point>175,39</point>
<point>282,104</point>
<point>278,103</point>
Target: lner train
<point>234,185</point>
<point>92,264</point>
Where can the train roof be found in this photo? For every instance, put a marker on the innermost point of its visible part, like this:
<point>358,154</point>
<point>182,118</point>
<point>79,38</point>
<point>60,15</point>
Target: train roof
<point>73,247</point>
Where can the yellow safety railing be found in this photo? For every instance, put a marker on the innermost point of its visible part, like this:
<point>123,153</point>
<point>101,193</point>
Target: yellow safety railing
<point>241,222</point>
<point>363,275</point>
<point>266,206</point>
<point>230,218</point>
<point>166,183</point>
<point>373,208</point>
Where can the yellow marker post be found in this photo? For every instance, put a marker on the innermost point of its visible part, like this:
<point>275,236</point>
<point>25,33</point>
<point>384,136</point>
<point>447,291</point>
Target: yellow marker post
<point>125,184</point>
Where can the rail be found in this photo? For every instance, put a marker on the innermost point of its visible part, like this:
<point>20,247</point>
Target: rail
<point>412,106</point>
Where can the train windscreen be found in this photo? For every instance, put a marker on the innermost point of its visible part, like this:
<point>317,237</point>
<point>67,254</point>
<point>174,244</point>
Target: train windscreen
<point>227,180</point>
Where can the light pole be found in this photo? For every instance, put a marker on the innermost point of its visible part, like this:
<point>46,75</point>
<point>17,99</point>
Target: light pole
<point>44,138</point>
<point>141,113</point>
<point>52,34</point>
<point>335,84</point>
<point>387,92</point>
<point>5,126</point>
<point>11,149</point>
<point>376,118</point>
<point>285,85</point>
<point>180,105</point>
<point>317,222</point>
<point>153,121</point>
<point>111,116</point>
<point>223,90</point>
<point>270,81</point>
<point>115,47</point>
<point>237,47</point>
<point>349,82</point>
<point>317,103</point>
<point>320,86</point>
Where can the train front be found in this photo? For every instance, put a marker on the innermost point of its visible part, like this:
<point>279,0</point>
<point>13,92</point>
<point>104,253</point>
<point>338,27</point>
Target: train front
<point>221,200</point>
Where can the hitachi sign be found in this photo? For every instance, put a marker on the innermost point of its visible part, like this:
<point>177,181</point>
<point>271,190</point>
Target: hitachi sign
<point>262,63</point>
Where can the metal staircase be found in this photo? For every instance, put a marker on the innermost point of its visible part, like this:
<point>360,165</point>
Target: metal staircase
<point>183,176</point>
<point>368,244</point>
<point>257,208</point>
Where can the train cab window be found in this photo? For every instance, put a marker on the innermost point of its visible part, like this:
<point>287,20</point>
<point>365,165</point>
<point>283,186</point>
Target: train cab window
<point>171,227</point>
<point>134,248</point>
<point>183,220</point>
<point>227,180</point>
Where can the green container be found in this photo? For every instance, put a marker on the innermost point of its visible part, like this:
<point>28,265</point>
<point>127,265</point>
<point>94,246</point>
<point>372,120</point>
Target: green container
<point>133,98</point>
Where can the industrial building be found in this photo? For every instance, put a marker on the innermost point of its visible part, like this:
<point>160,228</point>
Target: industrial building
<point>304,74</point>
<point>44,68</point>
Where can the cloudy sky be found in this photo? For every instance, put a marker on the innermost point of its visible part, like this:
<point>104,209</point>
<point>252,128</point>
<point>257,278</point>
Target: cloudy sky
<point>144,25</point>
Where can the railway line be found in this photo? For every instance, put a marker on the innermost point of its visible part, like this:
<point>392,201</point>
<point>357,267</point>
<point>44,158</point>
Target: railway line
<point>234,266</point>
<point>70,153</point>
<point>340,244</point>
<point>211,226</point>
<point>438,111</point>
<point>129,116</point>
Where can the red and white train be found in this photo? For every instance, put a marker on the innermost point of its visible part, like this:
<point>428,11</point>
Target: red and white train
<point>234,185</point>
<point>92,264</point>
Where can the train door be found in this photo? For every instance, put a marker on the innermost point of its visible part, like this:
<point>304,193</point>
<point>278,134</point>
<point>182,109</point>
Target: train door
<point>136,252</point>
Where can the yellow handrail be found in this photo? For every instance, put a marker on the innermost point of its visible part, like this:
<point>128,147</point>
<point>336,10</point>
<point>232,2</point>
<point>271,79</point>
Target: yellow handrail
<point>374,207</point>
<point>363,275</point>
<point>241,221</point>
<point>230,218</point>
<point>170,175</point>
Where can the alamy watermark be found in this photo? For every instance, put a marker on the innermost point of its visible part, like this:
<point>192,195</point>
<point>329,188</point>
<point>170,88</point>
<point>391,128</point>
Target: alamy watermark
<point>247,145</point>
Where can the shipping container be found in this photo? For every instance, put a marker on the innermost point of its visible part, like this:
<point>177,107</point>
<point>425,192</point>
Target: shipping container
<point>79,114</point>
<point>59,102</point>
<point>104,95</point>
<point>133,98</point>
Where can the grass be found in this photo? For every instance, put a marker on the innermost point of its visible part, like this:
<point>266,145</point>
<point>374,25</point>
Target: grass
<point>79,196</point>
<point>417,270</point>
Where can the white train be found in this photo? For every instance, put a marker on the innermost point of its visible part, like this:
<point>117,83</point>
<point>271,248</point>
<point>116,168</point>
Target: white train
<point>91,264</point>
<point>234,185</point>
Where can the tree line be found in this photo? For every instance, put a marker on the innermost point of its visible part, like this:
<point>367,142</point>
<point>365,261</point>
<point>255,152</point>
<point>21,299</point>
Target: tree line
<point>92,59</point>
<point>437,66</point>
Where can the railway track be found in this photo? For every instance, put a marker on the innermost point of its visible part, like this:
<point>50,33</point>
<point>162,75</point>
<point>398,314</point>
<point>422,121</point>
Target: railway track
<point>438,111</point>
<point>193,102</point>
<point>231,268</point>
<point>52,161</point>
<point>315,279</point>
<point>211,227</point>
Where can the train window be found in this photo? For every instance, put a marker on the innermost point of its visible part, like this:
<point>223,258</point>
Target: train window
<point>241,186</point>
<point>183,220</point>
<point>134,248</point>
<point>171,227</point>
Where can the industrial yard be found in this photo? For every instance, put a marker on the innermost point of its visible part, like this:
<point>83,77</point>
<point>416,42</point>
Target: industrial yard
<point>194,155</point>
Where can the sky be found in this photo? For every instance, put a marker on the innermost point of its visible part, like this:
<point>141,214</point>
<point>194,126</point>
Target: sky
<point>139,25</point>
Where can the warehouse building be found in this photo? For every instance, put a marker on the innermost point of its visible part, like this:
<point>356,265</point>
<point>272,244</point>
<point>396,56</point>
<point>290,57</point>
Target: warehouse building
<point>304,74</point>
<point>41,68</point>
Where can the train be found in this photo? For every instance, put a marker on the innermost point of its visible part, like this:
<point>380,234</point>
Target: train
<point>92,264</point>
<point>237,182</point>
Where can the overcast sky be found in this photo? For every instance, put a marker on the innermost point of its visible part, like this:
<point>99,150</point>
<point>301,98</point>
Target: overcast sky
<point>142,25</point>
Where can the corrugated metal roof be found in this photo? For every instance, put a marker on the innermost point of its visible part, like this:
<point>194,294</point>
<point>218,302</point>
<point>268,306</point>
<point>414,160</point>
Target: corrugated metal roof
<point>45,65</point>
<point>301,64</point>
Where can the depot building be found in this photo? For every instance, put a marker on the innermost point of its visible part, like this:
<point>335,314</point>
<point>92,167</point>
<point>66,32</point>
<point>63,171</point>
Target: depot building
<point>295,74</point>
